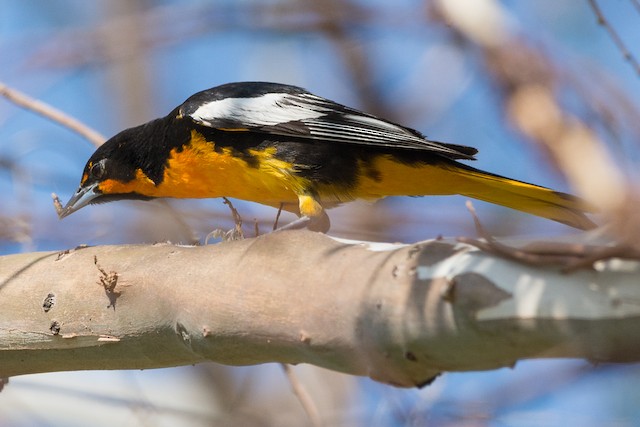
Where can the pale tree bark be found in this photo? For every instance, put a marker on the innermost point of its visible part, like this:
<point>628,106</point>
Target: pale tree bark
<point>400,314</point>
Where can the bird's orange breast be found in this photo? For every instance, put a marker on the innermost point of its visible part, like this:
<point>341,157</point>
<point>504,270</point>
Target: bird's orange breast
<point>198,170</point>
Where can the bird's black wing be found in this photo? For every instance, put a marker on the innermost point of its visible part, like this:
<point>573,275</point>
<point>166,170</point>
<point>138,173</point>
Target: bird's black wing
<point>284,110</point>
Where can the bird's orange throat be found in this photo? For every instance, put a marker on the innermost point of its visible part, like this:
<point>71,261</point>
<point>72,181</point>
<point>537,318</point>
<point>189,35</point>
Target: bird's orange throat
<point>198,170</point>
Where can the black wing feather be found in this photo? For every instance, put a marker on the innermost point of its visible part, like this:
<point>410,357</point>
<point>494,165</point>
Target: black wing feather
<point>290,111</point>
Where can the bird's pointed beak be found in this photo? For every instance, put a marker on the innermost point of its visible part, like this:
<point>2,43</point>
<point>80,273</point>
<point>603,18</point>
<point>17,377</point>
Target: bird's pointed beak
<point>82,197</point>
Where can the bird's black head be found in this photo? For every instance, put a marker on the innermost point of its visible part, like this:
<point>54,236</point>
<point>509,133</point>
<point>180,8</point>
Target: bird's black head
<point>127,166</point>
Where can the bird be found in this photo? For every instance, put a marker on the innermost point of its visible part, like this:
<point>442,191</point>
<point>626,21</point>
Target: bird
<point>282,146</point>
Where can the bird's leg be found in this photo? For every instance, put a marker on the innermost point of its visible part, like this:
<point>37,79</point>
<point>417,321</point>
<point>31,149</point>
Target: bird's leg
<point>313,216</point>
<point>320,223</point>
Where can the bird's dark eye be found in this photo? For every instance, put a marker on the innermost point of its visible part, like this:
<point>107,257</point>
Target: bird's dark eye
<point>97,170</point>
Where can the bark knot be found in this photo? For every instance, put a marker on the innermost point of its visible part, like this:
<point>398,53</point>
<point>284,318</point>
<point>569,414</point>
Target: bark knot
<point>108,281</point>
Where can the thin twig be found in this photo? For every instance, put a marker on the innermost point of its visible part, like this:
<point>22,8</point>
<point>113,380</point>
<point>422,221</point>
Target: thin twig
<point>235,233</point>
<point>636,4</point>
<point>569,257</point>
<point>237,219</point>
<point>303,397</point>
<point>57,204</point>
<point>491,245</point>
<point>617,40</point>
<point>275,223</point>
<point>51,113</point>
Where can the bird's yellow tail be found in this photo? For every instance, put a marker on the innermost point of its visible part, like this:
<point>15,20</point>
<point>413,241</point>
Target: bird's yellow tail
<point>387,176</point>
<point>525,197</point>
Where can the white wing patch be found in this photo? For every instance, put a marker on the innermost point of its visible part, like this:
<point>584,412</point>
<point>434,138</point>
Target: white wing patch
<point>372,121</point>
<point>266,110</point>
<point>302,115</point>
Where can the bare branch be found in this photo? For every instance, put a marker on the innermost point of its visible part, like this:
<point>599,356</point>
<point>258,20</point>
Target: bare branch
<point>400,314</point>
<point>303,397</point>
<point>275,222</point>
<point>528,80</point>
<point>235,233</point>
<point>51,113</point>
<point>567,255</point>
<point>617,40</point>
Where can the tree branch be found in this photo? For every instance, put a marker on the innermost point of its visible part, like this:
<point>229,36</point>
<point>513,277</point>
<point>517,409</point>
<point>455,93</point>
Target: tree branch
<point>617,40</point>
<point>529,82</point>
<point>51,113</point>
<point>398,314</point>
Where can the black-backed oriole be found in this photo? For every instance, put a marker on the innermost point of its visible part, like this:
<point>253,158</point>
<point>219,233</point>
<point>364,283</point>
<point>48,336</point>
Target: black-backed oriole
<point>280,145</point>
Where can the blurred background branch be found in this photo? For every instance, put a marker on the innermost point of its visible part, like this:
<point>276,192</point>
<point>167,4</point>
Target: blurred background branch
<point>530,83</point>
<point>617,40</point>
<point>51,113</point>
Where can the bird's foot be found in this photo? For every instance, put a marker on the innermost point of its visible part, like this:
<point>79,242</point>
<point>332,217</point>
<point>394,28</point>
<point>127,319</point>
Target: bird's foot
<point>319,223</point>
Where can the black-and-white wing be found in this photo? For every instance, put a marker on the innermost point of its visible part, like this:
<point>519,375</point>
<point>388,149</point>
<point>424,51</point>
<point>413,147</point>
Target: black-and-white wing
<point>291,111</point>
